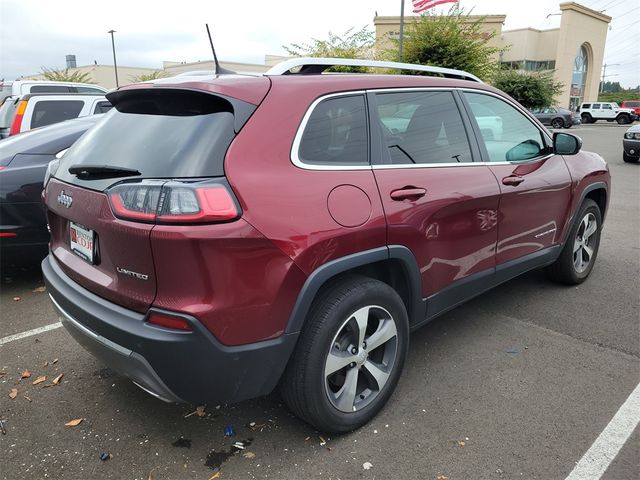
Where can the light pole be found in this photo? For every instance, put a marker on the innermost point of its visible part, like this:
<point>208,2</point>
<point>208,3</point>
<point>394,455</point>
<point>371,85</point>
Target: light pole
<point>115,66</point>
<point>604,74</point>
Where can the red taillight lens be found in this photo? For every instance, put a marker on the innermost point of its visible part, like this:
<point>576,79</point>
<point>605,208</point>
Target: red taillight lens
<point>169,321</point>
<point>17,119</point>
<point>8,234</point>
<point>173,202</point>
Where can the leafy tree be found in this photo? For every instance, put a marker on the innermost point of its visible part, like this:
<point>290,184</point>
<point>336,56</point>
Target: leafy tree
<point>348,45</point>
<point>65,75</point>
<point>619,97</point>
<point>449,41</point>
<point>145,77</point>
<point>531,89</point>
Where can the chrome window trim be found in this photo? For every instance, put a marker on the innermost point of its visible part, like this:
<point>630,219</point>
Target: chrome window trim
<point>295,159</point>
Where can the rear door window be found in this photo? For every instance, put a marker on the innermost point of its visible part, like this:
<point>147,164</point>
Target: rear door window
<point>102,107</point>
<point>422,128</point>
<point>49,89</point>
<point>47,112</point>
<point>336,133</point>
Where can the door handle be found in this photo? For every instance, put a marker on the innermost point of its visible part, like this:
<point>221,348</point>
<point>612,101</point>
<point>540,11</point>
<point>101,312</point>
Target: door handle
<point>513,180</point>
<point>408,193</point>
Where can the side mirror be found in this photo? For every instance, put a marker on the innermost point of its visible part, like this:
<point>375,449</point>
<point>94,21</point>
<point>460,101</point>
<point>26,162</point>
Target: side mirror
<point>566,144</point>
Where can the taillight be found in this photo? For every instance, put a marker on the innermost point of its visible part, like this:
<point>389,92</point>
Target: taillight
<point>17,119</point>
<point>169,321</point>
<point>8,234</point>
<point>173,202</point>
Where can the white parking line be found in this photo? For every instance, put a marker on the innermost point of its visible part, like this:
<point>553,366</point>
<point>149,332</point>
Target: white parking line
<point>609,443</point>
<point>29,333</point>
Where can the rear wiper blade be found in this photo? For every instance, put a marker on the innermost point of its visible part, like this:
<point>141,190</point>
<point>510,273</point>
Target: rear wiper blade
<point>101,171</point>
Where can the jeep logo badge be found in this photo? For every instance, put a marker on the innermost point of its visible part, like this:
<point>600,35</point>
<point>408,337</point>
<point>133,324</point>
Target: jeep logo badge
<point>64,199</point>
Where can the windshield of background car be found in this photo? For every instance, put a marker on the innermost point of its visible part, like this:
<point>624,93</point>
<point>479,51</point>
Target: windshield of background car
<point>169,136</point>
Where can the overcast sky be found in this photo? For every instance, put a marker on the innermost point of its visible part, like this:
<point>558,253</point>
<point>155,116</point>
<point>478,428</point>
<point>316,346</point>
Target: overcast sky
<point>37,33</point>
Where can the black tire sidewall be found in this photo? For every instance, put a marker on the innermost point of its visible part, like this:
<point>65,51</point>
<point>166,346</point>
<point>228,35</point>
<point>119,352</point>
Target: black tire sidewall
<point>589,206</point>
<point>332,316</point>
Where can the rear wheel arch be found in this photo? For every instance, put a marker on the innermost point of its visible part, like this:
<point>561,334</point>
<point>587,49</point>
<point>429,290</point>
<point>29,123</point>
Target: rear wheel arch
<point>394,265</point>
<point>598,192</point>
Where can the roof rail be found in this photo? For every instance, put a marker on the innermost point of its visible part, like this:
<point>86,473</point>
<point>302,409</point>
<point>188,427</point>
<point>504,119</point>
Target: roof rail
<point>311,65</point>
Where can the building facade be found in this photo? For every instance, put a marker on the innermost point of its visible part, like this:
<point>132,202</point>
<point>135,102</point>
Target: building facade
<point>574,52</point>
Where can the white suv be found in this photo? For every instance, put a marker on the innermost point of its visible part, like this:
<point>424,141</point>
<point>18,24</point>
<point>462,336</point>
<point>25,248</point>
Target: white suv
<point>609,111</point>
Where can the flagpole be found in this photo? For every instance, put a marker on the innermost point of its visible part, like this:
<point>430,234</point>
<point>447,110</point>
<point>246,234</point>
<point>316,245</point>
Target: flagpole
<point>401,27</point>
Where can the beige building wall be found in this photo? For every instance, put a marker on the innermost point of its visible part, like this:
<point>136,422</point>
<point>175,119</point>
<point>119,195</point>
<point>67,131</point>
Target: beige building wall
<point>104,75</point>
<point>530,44</point>
<point>389,27</point>
<point>580,26</point>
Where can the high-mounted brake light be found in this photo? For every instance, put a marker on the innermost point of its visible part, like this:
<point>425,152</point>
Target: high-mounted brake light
<point>173,202</point>
<point>17,119</point>
<point>169,321</point>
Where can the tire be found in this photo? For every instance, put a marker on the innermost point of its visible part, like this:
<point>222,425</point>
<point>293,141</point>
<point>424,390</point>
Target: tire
<point>320,396</point>
<point>586,118</point>
<point>574,266</point>
<point>557,123</point>
<point>629,159</point>
<point>623,119</point>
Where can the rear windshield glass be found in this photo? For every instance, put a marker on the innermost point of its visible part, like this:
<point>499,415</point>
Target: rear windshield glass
<point>7,110</point>
<point>175,145</point>
<point>48,112</point>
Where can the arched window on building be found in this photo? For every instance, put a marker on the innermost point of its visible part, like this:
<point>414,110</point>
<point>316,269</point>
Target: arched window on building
<point>579,77</point>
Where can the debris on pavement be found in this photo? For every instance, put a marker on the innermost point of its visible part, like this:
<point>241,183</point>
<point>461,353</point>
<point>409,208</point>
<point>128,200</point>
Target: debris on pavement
<point>2,429</point>
<point>74,422</point>
<point>13,393</point>
<point>323,442</point>
<point>200,411</point>
<point>40,379</point>
<point>441,477</point>
<point>249,455</point>
<point>56,380</point>
<point>182,443</point>
<point>104,456</point>
<point>239,445</point>
<point>367,465</point>
<point>16,299</point>
<point>39,289</point>
<point>461,443</point>
<point>55,360</point>
<point>25,374</point>
<point>229,431</point>
<point>27,398</point>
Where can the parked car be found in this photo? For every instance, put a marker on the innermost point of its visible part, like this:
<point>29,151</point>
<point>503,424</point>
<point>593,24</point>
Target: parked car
<point>609,111</point>
<point>556,117</point>
<point>271,230</point>
<point>23,162</point>
<point>633,105</point>
<point>631,145</point>
<point>36,110</point>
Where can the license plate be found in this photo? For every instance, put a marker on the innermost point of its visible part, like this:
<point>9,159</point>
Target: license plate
<point>81,241</point>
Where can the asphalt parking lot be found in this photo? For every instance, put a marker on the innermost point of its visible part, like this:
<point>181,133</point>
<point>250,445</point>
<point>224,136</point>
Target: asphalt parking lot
<point>518,383</point>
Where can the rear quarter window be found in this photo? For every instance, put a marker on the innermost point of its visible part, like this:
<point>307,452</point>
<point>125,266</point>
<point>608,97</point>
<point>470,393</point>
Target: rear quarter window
<point>102,107</point>
<point>49,89</point>
<point>47,112</point>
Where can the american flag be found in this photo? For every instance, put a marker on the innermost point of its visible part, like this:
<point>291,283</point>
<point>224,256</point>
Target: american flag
<point>422,5</point>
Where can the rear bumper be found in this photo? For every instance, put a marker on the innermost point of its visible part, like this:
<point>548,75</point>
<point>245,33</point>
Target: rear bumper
<point>173,366</point>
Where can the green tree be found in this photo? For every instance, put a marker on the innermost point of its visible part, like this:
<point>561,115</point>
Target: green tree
<point>530,89</point>
<point>450,41</point>
<point>145,77</point>
<point>65,75</point>
<point>348,45</point>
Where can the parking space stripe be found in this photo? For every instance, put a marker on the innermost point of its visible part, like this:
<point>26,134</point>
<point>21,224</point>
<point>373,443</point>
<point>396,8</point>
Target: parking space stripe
<point>609,443</point>
<point>29,333</point>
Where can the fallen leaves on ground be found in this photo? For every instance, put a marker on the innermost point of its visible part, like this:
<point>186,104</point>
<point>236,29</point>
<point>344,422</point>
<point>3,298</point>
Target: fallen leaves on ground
<point>56,380</point>
<point>16,299</point>
<point>40,379</point>
<point>39,289</point>
<point>74,423</point>
<point>214,476</point>
<point>249,455</point>
<point>461,443</point>
<point>25,374</point>
<point>200,411</point>
<point>441,477</point>
<point>13,393</point>
<point>367,465</point>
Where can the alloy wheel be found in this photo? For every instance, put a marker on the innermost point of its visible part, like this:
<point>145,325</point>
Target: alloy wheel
<point>584,243</point>
<point>361,358</point>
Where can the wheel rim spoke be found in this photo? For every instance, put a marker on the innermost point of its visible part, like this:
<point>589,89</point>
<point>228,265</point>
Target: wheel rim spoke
<point>385,332</point>
<point>590,230</point>
<point>337,361</point>
<point>577,245</point>
<point>346,396</point>
<point>577,259</point>
<point>589,253</point>
<point>362,319</point>
<point>378,375</point>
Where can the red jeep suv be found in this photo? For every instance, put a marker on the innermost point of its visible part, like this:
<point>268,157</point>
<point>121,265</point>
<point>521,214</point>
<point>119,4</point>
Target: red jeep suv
<point>214,237</point>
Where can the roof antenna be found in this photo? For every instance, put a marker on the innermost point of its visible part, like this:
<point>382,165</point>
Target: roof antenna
<point>218,69</point>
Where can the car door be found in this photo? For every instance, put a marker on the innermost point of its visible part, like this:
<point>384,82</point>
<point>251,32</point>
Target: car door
<point>438,202</point>
<point>607,111</point>
<point>535,184</point>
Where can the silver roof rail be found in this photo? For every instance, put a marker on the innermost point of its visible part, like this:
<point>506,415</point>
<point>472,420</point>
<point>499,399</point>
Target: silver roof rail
<point>310,65</point>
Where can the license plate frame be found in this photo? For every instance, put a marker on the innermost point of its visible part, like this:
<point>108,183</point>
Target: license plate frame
<point>82,241</point>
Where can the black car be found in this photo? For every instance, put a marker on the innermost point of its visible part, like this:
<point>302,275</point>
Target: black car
<point>631,145</point>
<point>556,117</point>
<point>23,163</point>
